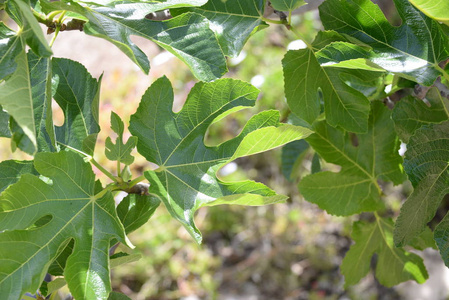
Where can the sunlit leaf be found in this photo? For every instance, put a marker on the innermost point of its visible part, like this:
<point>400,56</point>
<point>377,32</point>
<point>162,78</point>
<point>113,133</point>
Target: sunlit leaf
<point>436,9</point>
<point>75,213</point>
<point>233,21</point>
<point>17,99</point>
<point>188,36</point>
<point>41,95</point>
<point>30,30</point>
<point>412,50</point>
<point>186,178</point>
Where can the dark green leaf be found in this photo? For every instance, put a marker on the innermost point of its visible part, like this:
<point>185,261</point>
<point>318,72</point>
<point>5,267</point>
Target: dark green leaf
<point>316,165</point>
<point>292,154</point>
<point>186,178</point>
<point>394,265</point>
<point>4,124</point>
<point>10,47</point>
<point>410,113</point>
<point>412,50</point>
<point>11,170</point>
<point>233,21</point>
<point>119,151</point>
<point>188,36</point>
<point>136,210</point>
<point>424,240</point>
<point>306,82</point>
<point>76,213</point>
<point>442,239</point>
<point>364,159</point>
<point>78,96</point>
<point>426,164</point>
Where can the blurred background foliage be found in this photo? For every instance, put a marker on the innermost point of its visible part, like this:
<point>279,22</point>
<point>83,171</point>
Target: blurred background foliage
<point>284,251</point>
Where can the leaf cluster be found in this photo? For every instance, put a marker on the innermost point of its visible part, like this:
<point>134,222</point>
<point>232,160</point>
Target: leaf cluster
<point>61,220</point>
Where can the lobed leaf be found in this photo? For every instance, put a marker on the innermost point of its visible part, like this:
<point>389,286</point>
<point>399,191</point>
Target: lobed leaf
<point>426,164</point>
<point>412,50</point>
<point>186,178</point>
<point>306,82</point>
<point>188,36</point>
<point>394,265</point>
<point>411,113</point>
<point>373,156</point>
<point>77,94</point>
<point>71,210</point>
<point>233,21</point>
<point>119,151</point>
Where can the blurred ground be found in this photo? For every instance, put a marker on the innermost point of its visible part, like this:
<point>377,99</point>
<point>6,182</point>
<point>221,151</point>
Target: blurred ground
<point>284,251</point>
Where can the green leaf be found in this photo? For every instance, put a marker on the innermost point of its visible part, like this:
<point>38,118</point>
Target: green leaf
<point>424,240</point>
<point>119,151</point>
<point>16,98</point>
<point>29,27</point>
<point>188,36</point>
<point>41,94</point>
<point>306,82</point>
<point>122,258</point>
<point>374,156</point>
<point>412,50</point>
<point>186,178</point>
<point>159,5</point>
<point>426,164</point>
<point>394,265</point>
<point>411,113</point>
<point>11,170</point>
<point>135,210</point>
<point>233,21</point>
<point>76,213</point>
<point>287,5</point>
<point>292,155</point>
<point>77,94</point>
<point>55,285</point>
<point>118,296</point>
<point>436,9</point>
<point>442,239</point>
<point>4,124</point>
<point>10,47</point>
